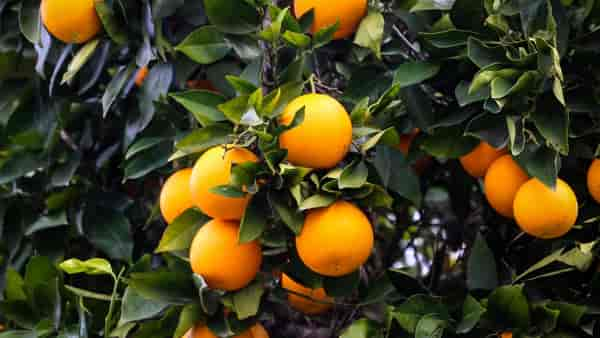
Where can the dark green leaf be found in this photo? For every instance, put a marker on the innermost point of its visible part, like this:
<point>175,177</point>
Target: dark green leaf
<point>471,313</point>
<point>254,221</point>
<point>29,20</point>
<point>508,305</point>
<point>205,45</point>
<point>136,308</point>
<point>232,16</point>
<point>47,222</point>
<point>179,234</point>
<point>412,73</point>
<point>202,139</point>
<point>202,104</point>
<point>481,267</point>
<point>109,231</point>
<point>247,301</point>
<point>396,173</point>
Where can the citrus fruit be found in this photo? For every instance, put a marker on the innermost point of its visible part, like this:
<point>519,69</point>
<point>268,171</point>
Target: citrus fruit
<point>201,84</point>
<point>406,141</point>
<point>175,195</point>
<point>140,76</point>
<point>502,181</point>
<point>213,169</point>
<point>202,331</point>
<point>543,212</point>
<point>335,240</point>
<point>71,21</point>
<point>323,139</point>
<point>349,13</point>
<point>479,160</point>
<point>593,180</point>
<point>506,335</point>
<point>303,304</point>
<point>216,255</point>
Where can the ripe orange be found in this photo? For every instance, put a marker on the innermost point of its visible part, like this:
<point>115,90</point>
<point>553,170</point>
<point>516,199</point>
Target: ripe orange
<point>175,196</point>
<point>323,139</point>
<point>302,304</point>
<point>140,76</point>
<point>326,13</point>
<point>213,169</point>
<point>502,181</point>
<point>593,180</point>
<point>506,335</point>
<point>545,213</point>
<point>71,21</point>
<point>202,331</point>
<point>477,162</point>
<point>201,84</point>
<point>335,240</point>
<point>225,264</point>
<point>406,141</point>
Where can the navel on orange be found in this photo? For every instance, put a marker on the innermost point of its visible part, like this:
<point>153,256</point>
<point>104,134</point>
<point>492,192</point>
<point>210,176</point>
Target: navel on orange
<point>477,162</point>
<point>335,240</point>
<point>225,264</point>
<point>349,13</point>
<point>543,212</point>
<point>175,195</point>
<point>304,304</point>
<point>213,169</point>
<point>502,181</point>
<point>71,21</point>
<point>323,139</point>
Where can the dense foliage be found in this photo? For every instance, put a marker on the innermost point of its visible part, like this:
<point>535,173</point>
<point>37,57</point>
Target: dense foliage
<point>84,152</point>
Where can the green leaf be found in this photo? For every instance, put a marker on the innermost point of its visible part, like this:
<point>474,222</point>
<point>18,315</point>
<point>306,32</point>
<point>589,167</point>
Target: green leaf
<point>362,328</point>
<point>141,145</point>
<point>14,286</point>
<point>354,176</point>
<point>147,161</point>
<point>448,143</point>
<point>370,32</point>
<point>540,162</point>
<point>79,60</point>
<point>343,286</point>
<point>247,301</point>
<point>202,104</point>
<point>179,234</point>
<point>412,73</point>
<point>88,294</point>
<point>325,35</point>
<point>29,20</point>
<point>508,305</point>
<point>18,334</point>
<point>163,286</point>
<point>205,45</point>
<point>396,174</point>
<point>190,316</point>
<point>570,314</point>
<point>429,5</point>
<point>114,87</point>
<point>552,120</point>
<point>298,40</point>
<point>93,266</point>
<point>209,299</point>
<point>228,191</point>
<point>447,39</point>
<point>464,97</point>
<point>136,308</point>
<point>111,24</point>
<point>254,221</point>
<point>481,267</point>
<point>409,313</point>
<point>18,166</point>
<point>289,215</point>
<point>483,55</point>
<point>202,139</point>
<point>388,136</point>
<point>47,222</point>
<point>235,108</point>
<point>232,16</point>
<point>430,326</point>
<point>242,86</point>
<point>471,313</point>
<point>108,230</point>
<point>317,201</point>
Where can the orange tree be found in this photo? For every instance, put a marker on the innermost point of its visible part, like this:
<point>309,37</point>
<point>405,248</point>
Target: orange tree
<point>263,168</point>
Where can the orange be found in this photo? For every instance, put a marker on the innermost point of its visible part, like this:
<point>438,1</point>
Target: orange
<point>593,180</point>
<point>71,21</point>
<point>479,160</point>
<point>303,304</point>
<point>201,84</point>
<point>506,335</point>
<point>175,196</point>
<point>323,139</point>
<point>543,212</point>
<point>213,169</point>
<point>327,13</point>
<point>140,76</point>
<point>202,331</point>
<point>502,181</point>
<point>225,264</point>
<point>335,240</point>
<point>406,141</point>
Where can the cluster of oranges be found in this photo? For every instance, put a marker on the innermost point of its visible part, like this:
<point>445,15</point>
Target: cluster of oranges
<point>335,240</point>
<point>539,210</point>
